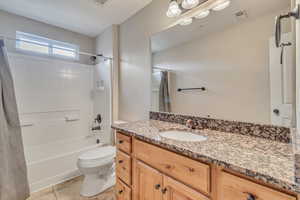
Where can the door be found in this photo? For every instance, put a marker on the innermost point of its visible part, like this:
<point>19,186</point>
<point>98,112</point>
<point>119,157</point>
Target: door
<point>174,190</point>
<point>281,81</point>
<point>147,183</point>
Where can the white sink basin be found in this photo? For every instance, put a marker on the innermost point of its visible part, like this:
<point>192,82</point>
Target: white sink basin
<point>184,136</point>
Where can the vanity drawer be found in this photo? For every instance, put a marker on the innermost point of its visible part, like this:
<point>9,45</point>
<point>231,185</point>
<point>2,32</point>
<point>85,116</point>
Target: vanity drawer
<point>236,188</point>
<point>188,171</point>
<point>123,169</point>
<point>124,142</point>
<point>123,192</point>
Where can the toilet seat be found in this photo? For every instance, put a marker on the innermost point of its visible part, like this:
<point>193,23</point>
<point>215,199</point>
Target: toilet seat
<point>97,157</point>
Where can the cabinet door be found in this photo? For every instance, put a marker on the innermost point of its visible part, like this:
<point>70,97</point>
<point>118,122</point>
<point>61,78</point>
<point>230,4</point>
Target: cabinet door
<point>123,192</point>
<point>236,188</point>
<point>174,190</point>
<point>147,182</point>
<point>123,167</point>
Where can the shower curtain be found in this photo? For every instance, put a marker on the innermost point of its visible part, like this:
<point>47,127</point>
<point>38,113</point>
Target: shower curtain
<point>164,95</point>
<point>13,172</point>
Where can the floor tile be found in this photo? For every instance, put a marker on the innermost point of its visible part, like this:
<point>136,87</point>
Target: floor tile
<point>50,196</point>
<point>70,190</point>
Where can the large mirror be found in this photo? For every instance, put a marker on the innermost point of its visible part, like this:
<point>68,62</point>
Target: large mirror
<point>227,66</point>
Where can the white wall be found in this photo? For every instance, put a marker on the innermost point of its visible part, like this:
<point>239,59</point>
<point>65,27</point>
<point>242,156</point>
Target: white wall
<point>47,92</point>
<point>104,71</point>
<point>232,64</point>
<point>135,60</point>
<point>10,23</point>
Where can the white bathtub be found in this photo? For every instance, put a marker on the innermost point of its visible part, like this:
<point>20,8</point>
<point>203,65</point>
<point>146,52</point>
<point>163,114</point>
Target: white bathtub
<point>55,162</point>
<point>48,92</point>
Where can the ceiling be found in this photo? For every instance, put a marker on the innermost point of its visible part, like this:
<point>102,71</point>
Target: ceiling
<point>81,16</point>
<point>216,21</point>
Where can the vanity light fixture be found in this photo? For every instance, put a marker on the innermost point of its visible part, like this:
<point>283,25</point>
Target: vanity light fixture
<point>221,6</point>
<point>189,4</point>
<point>190,9</point>
<point>174,9</point>
<point>186,21</point>
<point>202,14</point>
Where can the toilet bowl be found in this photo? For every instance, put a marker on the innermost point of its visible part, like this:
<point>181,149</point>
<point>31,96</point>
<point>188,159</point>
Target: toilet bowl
<point>98,169</point>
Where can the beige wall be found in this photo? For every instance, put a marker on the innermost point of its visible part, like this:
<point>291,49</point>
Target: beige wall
<point>106,101</point>
<point>10,23</point>
<point>135,60</point>
<point>234,67</point>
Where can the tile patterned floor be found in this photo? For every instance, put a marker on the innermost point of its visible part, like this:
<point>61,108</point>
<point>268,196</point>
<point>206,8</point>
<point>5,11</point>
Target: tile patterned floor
<point>70,191</point>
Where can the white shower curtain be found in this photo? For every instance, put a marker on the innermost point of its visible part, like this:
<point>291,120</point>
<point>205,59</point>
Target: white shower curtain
<point>13,172</point>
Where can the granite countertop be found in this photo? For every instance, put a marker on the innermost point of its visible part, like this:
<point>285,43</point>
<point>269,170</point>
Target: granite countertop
<point>265,160</point>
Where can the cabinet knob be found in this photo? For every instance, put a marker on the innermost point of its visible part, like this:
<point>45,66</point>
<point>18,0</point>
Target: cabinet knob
<point>164,190</point>
<point>168,166</point>
<point>120,191</point>
<point>121,141</point>
<point>250,196</point>
<point>121,161</point>
<point>191,169</point>
<point>157,186</point>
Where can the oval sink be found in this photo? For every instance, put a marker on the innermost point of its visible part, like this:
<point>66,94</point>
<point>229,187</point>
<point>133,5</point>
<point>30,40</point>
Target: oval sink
<point>184,136</point>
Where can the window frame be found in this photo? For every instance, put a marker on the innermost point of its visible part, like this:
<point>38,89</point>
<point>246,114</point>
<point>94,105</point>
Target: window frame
<point>22,37</point>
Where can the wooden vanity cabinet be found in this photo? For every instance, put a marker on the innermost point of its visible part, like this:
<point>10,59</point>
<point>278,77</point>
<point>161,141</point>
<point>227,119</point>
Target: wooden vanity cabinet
<point>123,167</point>
<point>123,143</point>
<point>123,192</point>
<point>151,184</point>
<point>147,172</point>
<point>147,182</point>
<point>188,171</point>
<point>236,188</point>
<point>175,190</point>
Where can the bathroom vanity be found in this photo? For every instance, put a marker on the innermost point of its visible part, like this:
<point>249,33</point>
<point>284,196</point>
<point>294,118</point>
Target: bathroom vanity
<point>228,81</point>
<point>224,167</point>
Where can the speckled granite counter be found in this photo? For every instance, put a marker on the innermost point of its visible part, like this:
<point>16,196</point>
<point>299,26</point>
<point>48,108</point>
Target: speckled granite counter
<point>265,160</point>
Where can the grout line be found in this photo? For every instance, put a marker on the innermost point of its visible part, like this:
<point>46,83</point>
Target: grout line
<point>54,192</point>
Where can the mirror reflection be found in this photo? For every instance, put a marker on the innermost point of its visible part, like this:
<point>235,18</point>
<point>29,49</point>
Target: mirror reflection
<point>226,65</point>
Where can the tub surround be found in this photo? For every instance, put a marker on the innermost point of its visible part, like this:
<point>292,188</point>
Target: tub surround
<point>276,133</point>
<point>268,161</point>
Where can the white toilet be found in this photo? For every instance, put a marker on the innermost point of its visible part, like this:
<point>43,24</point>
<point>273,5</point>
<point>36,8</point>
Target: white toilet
<point>98,169</point>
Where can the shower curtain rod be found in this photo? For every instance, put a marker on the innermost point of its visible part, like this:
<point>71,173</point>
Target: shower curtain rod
<point>79,52</point>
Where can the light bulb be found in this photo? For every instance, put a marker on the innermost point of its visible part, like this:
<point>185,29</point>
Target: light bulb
<point>186,21</point>
<point>221,6</point>
<point>202,14</point>
<point>174,10</point>
<point>189,4</point>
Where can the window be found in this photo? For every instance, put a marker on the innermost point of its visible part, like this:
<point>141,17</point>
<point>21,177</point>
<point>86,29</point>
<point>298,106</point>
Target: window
<point>44,46</point>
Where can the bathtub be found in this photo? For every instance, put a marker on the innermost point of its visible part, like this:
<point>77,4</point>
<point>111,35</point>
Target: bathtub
<point>53,163</point>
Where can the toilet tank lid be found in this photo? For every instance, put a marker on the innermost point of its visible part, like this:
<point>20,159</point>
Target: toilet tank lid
<point>98,153</point>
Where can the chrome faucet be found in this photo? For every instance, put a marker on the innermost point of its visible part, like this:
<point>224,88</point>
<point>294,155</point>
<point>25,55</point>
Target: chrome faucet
<point>190,124</point>
<point>97,123</point>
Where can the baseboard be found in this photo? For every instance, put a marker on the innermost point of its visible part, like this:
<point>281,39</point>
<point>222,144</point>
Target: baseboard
<point>52,181</point>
